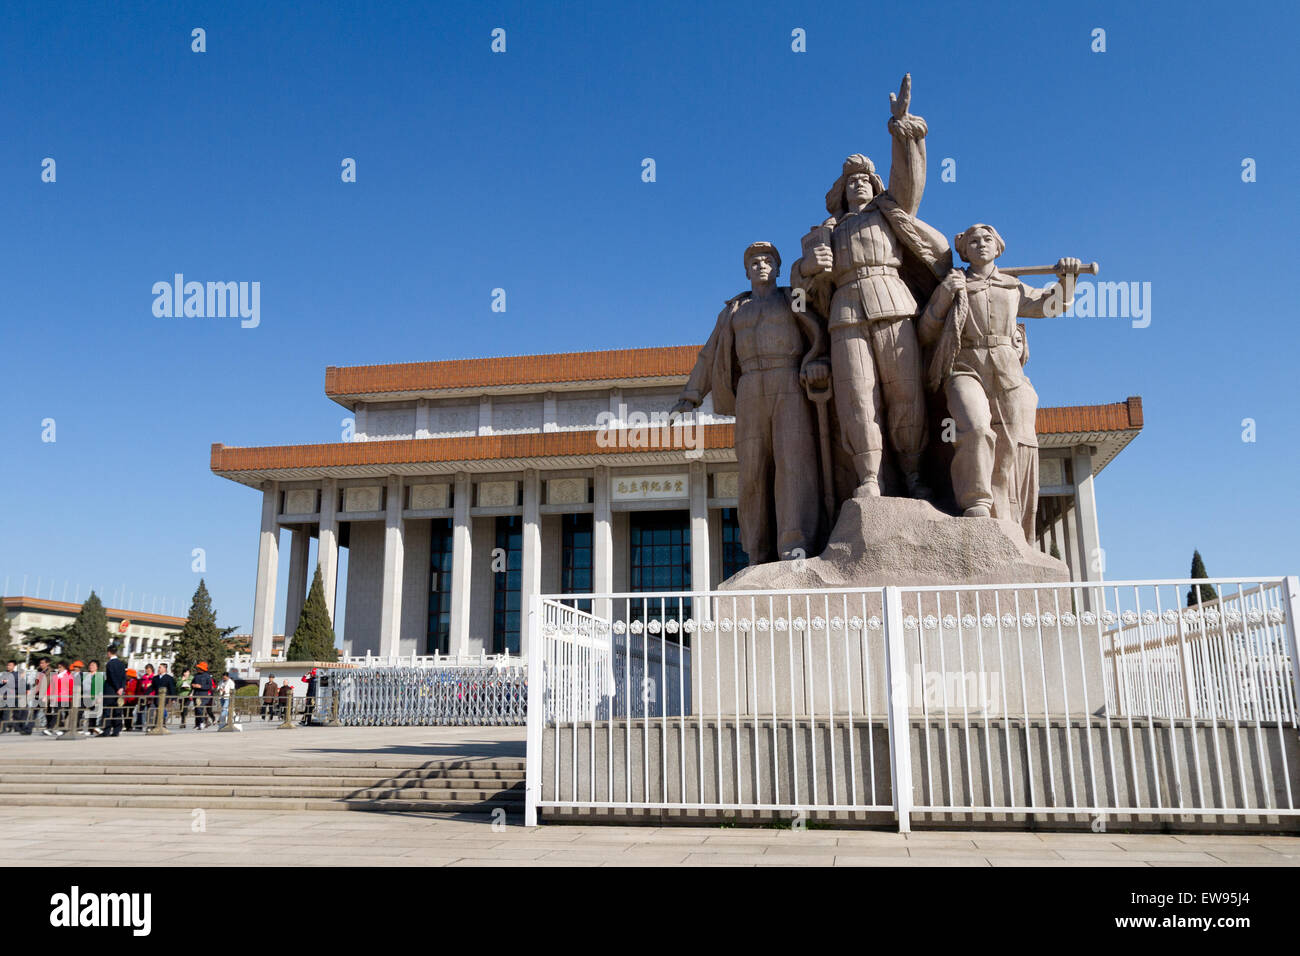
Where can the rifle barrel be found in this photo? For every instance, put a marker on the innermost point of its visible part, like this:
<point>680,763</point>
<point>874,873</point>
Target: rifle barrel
<point>1088,267</point>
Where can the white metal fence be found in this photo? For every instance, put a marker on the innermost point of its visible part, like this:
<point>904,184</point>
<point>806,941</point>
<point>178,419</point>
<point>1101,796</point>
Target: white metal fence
<point>1064,699</point>
<point>414,696</point>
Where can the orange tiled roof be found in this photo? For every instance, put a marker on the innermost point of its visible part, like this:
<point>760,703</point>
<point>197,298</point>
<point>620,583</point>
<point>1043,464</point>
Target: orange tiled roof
<point>666,361</point>
<point>114,614</point>
<point>1072,419</point>
<point>469,448</point>
<point>1116,417</point>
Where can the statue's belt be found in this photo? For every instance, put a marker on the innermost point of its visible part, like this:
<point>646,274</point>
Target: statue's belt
<point>986,342</point>
<point>763,363</point>
<point>865,272</point>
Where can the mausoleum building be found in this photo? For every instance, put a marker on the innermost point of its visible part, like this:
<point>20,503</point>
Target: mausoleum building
<point>471,484</point>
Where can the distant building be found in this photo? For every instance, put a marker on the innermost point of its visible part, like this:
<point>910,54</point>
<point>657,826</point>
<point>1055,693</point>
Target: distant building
<point>138,634</point>
<point>471,484</point>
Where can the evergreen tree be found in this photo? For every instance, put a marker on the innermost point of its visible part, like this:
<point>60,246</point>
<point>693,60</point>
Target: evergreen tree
<point>42,641</point>
<point>87,638</point>
<point>313,638</point>
<point>1200,593</point>
<point>200,639</point>
<point>10,650</point>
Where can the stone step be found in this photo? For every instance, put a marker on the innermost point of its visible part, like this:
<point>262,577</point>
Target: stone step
<point>173,770</point>
<point>262,803</point>
<point>200,792</point>
<point>253,764</point>
<point>255,780</point>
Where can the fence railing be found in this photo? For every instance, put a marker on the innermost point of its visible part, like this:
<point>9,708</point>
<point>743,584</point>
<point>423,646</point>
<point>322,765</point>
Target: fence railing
<point>1073,698</point>
<point>493,695</point>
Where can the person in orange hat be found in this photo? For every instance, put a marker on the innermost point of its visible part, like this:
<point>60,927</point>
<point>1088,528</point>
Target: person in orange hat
<point>202,688</point>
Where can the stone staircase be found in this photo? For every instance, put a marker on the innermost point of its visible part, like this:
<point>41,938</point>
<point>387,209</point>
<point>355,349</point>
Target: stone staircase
<point>471,786</point>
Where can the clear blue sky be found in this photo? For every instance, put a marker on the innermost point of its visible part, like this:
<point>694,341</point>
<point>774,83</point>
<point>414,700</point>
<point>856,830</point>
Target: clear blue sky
<point>522,171</point>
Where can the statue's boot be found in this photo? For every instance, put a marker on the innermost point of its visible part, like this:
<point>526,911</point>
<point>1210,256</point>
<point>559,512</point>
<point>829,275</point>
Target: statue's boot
<point>977,511</point>
<point>867,467</point>
<point>916,488</point>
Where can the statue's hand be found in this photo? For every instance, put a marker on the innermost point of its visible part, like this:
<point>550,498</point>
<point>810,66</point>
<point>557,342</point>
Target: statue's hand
<point>683,407</point>
<point>816,374</point>
<point>820,258</point>
<point>898,104</point>
<point>1067,267</point>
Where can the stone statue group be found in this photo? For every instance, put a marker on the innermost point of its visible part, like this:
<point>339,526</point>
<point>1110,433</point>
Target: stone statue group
<point>841,382</point>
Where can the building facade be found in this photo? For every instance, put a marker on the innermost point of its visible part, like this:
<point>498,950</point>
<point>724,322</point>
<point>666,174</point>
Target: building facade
<point>140,636</point>
<point>470,485</point>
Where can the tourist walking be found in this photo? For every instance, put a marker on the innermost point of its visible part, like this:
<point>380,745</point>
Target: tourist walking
<point>58,697</point>
<point>114,685</point>
<point>269,697</point>
<point>41,692</point>
<point>202,687</point>
<point>225,689</point>
<point>312,680</point>
<point>92,699</point>
<point>130,699</point>
<point>164,688</point>
<point>185,690</point>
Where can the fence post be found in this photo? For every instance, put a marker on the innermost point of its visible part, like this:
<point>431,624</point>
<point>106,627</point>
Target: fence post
<point>334,704</point>
<point>68,717</point>
<point>1292,592</point>
<point>160,710</point>
<point>227,725</point>
<point>900,725</point>
<point>534,716</point>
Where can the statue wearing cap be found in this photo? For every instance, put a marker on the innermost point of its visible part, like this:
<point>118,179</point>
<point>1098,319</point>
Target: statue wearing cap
<point>977,356</point>
<point>866,268</point>
<point>766,348</point>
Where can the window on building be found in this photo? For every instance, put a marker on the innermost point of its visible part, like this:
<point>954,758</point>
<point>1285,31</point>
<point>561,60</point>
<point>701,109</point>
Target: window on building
<point>660,557</point>
<point>440,587</point>
<point>509,556</point>
<point>734,557</point>
<point>575,558</point>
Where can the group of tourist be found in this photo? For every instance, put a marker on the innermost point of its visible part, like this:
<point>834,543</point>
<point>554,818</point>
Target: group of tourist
<point>113,698</point>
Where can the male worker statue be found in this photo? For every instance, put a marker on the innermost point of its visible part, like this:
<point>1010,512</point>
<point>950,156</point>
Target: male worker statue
<point>977,361</point>
<point>865,268</point>
<point>762,351</point>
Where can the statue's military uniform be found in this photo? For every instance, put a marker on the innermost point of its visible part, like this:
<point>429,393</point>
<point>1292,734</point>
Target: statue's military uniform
<point>978,364</point>
<point>752,364</point>
<point>870,317</point>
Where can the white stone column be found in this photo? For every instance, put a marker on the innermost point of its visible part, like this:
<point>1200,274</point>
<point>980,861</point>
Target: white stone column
<point>549,422</point>
<point>531,576</point>
<point>328,548</point>
<point>422,418</point>
<point>299,552</point>
<point>699,491</point>
<point>1091,564</point>
<point>268,560</point>
<point>461,555</point>
<point>602,542</point>
<point>390,598</point>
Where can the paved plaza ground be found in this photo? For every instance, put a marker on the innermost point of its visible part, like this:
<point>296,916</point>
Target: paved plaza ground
<point>103,836</point>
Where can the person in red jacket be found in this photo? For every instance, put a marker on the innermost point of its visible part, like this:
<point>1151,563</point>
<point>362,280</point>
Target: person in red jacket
<point>130,698</point>
<point>312,680</point>
<point>144,690</point>
<point>60,698</point>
